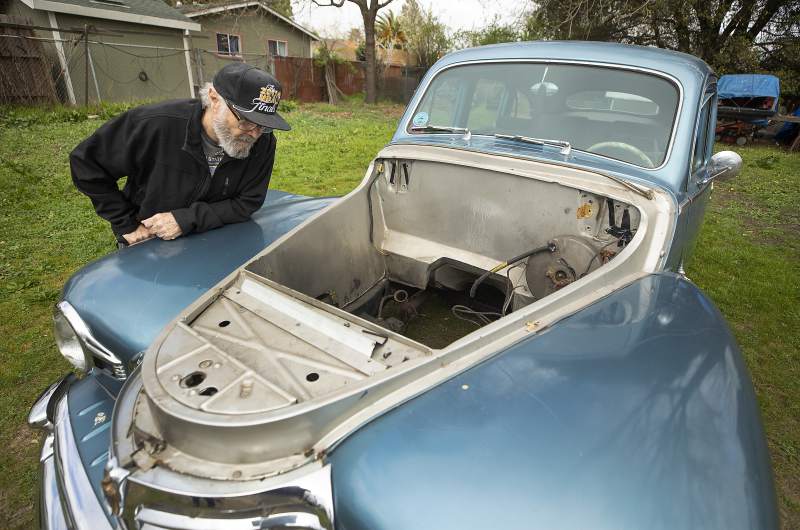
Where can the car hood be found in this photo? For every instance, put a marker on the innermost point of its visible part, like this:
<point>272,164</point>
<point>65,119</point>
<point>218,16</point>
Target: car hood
<point>127,297</point>
<point>636,412</point>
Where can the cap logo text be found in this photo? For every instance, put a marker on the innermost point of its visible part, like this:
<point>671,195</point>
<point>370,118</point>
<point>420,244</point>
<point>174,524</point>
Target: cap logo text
<point>267,100</point>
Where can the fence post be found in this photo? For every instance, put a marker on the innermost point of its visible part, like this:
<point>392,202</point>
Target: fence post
<point>86,65</point>
<point>198,61</point>
<point>186,55</point>
<point>62,58</point>
<point>94,76</point>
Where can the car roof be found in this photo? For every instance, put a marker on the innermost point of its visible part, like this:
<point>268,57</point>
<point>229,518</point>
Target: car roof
<point>683,66</point>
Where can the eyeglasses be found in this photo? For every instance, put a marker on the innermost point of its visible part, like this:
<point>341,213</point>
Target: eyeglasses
<point>247,125</point>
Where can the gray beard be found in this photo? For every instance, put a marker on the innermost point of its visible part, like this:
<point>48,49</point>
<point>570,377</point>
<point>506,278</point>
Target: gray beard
<point>233,147</point>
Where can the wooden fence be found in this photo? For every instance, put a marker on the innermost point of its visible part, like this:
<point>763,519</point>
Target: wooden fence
<point>304,81</point>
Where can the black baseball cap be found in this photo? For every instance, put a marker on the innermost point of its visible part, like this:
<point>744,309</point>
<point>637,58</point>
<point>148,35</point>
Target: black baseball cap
<point>253,93</point>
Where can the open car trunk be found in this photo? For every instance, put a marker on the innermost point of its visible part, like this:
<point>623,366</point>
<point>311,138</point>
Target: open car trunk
<point>409,248</point>
<point>373,294</point>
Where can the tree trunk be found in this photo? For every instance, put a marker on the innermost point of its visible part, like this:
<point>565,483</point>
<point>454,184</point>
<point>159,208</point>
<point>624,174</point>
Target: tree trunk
<point>369,52</point>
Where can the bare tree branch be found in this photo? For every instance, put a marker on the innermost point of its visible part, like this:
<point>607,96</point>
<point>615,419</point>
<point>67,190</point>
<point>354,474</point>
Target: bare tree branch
<point>331,3</point>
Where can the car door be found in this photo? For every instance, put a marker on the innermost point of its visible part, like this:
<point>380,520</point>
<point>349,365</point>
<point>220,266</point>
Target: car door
<point>698,184</point>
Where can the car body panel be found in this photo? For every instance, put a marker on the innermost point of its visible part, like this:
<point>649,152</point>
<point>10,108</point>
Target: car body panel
<point>636,412</point>
<point>91,404</point>
<point>690,72</point>
<point>127,297</point>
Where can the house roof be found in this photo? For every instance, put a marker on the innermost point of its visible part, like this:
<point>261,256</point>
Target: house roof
<point>199,10</point>
<point>148,12</point>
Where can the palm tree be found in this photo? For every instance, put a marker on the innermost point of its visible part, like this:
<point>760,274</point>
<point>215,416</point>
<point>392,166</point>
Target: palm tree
<point>389,33</point>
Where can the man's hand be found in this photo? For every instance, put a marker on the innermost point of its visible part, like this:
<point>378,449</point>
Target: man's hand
<point>163,225</point>
<point>137,236</point>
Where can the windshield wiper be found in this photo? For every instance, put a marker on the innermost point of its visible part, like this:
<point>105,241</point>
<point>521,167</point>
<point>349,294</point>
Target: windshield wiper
<point>566,149</point>
<point>444,128</point>
<point>565,146</point>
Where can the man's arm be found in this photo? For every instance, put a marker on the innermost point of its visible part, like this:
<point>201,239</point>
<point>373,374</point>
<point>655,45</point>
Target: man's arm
<point>98,163</point>
<point>202,216</point>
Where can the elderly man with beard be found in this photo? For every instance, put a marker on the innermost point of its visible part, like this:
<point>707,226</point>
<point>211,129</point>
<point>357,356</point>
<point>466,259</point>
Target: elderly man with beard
<point>191,165</point>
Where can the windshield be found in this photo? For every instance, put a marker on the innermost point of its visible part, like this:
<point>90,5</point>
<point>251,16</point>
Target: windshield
<point>608,111</point>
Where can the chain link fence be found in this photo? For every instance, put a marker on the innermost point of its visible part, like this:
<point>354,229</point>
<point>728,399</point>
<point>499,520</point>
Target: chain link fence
<point>79,66</point>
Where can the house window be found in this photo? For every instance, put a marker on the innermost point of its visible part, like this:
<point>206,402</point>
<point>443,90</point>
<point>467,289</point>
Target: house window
<point>278,47</point>
<point>228,44</point>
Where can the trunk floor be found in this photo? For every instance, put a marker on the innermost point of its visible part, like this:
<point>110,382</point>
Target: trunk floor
<point>435,325</point>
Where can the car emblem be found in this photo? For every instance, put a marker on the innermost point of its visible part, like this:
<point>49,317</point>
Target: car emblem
<point>100,418</point>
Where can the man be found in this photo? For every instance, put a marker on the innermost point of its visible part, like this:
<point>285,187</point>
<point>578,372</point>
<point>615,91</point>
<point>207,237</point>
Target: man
<point>191,165</point>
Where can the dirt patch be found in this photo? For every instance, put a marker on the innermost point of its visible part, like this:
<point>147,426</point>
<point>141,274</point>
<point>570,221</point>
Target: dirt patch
<point>725,199</point>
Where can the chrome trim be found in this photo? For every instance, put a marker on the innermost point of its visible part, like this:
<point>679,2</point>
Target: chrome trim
<point>82,509</point>
<point>51,516</point>
<point>707,96</point>
<point>665,75</point>
<point>89,342</point>
<point>135,489</point>
<point>150,519</point>
<point>37,417</point>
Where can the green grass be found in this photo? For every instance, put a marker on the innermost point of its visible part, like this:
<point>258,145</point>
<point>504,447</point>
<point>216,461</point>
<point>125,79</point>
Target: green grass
<point>747,260</point>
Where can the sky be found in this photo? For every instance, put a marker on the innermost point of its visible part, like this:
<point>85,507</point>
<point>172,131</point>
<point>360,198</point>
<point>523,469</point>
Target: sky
<point>456,14</point>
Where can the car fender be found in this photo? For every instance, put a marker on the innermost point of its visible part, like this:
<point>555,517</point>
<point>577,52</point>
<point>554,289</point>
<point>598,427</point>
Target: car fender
<point>127,296</point>
<point>635,412</point>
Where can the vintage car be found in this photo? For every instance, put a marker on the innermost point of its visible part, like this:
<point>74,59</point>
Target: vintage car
<point>493,330</point>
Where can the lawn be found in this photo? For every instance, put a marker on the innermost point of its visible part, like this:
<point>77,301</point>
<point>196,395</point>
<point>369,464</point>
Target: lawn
<point>747,260</point>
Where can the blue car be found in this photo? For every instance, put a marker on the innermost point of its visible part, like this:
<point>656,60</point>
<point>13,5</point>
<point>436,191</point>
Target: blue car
<point>492,330</point>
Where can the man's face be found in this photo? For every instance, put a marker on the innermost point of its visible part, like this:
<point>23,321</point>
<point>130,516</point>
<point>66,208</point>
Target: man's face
<point>235,141</point>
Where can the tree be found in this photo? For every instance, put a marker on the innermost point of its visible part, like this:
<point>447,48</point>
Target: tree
<point>284,7</point>
<point>730,35</point>
<point>494,33</point>
<point>426,37</point>
<point>389,33</point>
<point>369,11</point>
<point>327,58</point>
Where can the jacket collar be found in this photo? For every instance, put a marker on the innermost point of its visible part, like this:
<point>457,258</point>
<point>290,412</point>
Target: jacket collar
<point>192,144</point>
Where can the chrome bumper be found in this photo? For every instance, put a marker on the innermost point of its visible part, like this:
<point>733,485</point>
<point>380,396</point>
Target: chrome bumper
<point>66,498</point>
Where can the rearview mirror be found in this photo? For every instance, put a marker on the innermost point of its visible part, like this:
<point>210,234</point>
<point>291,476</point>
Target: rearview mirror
<point>725,165</point>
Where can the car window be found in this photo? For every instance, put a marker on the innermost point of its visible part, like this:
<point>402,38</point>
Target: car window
<point>613,112</point>
<point>442,104</point>
<point>700,155</point>
<point>521,107</point>
<point>613,101</point>
<point>486,99</point>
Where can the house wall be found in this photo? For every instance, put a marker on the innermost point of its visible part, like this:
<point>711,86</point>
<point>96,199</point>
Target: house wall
<point>254,27</point>
<point>117,68</point>
<point>18,9</point>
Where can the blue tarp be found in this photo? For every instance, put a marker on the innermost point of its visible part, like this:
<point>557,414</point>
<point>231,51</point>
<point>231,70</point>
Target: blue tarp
<point>749,86</point>
<point>789,130</point>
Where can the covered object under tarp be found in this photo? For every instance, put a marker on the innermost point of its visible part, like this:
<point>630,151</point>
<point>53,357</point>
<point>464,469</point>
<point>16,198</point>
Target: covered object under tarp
<point>748,97</point>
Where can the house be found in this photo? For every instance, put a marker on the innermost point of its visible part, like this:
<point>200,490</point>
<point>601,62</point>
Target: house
<point>137,49</point>
<point>247,31</point>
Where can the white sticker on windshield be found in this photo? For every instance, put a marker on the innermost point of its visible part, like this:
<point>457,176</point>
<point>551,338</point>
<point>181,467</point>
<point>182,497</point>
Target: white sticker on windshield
<point>420,119</point>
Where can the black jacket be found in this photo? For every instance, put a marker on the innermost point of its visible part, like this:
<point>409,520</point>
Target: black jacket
<point>159,148</point>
